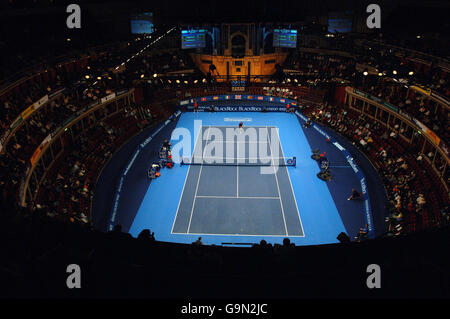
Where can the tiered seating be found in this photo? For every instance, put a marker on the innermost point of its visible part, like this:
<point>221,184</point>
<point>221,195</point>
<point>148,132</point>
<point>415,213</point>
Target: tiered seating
<point>425,181</point>
<point>67,189</point>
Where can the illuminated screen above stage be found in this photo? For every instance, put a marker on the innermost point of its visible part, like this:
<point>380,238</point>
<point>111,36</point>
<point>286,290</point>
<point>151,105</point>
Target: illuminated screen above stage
<point>285,38</point>
<point>193,39</point>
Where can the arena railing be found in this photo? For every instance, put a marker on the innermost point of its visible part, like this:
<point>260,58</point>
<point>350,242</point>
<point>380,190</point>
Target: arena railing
<point>22,118</point>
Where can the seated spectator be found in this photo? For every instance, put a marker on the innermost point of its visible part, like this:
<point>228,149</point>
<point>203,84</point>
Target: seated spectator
<point>421,200</point>
<point>355,194</point>
<point>362,234</point>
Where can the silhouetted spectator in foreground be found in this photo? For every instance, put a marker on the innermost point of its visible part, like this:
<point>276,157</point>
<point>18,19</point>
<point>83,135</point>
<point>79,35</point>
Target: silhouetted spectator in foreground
<point>198,242</point>
<point>146,235</point>
<point>287,243</point>
<point>262,244</point>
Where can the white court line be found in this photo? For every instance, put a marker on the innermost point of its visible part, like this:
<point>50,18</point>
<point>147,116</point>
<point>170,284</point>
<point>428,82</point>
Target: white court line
<point>292,189</point>
<point>198,181</point>
<point>242,235</point>
<point>237,172</point>
<point>242,158</point>
<point>341,167</point>
<point>234,126</point>
<point>185,180</point>
<point>244,197</point>
<point>278,185</point>
<point>237,142</point>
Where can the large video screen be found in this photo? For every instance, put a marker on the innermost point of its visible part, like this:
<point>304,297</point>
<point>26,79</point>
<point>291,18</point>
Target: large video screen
<point>285,38</point>
<point>193,38</point>
<point>142,23</point>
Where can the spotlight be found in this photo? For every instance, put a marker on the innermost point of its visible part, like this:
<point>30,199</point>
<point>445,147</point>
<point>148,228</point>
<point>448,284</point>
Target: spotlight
<point>178,81</point>
<point>87,77</point>
<point>142,76</point>
<point>394,72</point>
<point>99,77</point>
<point>411,73</point>
<point>195,81</point>
<point>380,74</point>
<point>366,73</point>
<point>155,75</point>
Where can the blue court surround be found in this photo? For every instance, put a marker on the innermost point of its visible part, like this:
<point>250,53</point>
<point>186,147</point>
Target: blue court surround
<point>317,200</point>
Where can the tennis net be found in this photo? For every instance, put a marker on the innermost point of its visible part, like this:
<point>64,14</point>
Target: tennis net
<point>236,161</point>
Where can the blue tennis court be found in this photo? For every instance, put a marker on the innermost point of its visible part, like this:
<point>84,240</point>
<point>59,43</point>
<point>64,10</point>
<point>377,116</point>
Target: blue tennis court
<point>233,201</point>
<point>240,188</point>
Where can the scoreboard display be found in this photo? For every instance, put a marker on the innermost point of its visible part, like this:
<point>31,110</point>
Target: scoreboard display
<point>238,85</point>
<point>285,38</point>
<point>193,39</point>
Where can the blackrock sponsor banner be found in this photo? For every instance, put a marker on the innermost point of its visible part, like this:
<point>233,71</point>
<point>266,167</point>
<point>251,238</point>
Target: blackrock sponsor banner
<point>300,115</point>
<point>125,171</point>
<point>359,174</point>
<point>201,101</point>
<point>240,108</point>
<point>318,129</point>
